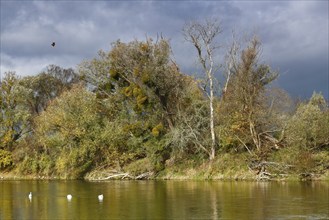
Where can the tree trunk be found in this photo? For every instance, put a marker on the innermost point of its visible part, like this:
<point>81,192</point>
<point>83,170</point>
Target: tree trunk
<point>212,129</point>
<point>202,36</point>
<point>254,134</point>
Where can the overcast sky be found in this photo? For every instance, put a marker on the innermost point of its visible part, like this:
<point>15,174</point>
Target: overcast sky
<point>294,33</point>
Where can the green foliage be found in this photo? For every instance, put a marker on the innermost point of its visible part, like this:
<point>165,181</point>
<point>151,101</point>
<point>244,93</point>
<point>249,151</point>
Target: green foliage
<point>243,113</point>
<point>46,86</point>
<point>68,131</point>
<point>190,135</point>
<point>141,71</point>
<point>157,130</point>
<point>145,92</point>
<point>29,160</point>
<point>135,112</point>
<point>74,163</point>
<point>158,152</point>
<point>29,166</point>
<point>6,159</point>
<point>307,138</point>
<point>295,160</point>
<point>309,126</point>
<point>305,162</point>
<point>14,117</point>
<point>120,143</point>
<point>321,159</point>
<point>23,98</point>
<point>138,167</point>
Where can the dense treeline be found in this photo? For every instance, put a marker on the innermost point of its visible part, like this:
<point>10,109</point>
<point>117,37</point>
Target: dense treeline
<point>131,110</point>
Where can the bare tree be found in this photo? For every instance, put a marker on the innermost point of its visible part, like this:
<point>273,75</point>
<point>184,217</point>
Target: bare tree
<point>203,37</point>
<point>231,61</point>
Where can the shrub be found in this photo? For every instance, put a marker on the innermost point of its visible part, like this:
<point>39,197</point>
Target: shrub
<point>309,127</point>
<point>140,166</point>
<point>6,159</point>
<point>76,162</point>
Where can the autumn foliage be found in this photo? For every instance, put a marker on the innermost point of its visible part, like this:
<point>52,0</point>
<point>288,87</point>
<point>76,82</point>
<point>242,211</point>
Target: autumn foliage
<point>131,109</point>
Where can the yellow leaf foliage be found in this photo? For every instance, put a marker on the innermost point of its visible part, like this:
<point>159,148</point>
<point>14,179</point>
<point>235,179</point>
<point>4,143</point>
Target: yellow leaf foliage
<point>141,100</point>
<point>157,130</point>
<point>136,71</point>
<point>128,91</point>
<point>114,73</point>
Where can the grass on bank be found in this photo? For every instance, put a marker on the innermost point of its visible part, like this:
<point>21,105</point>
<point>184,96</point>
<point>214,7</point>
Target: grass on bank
<point>283,164</point>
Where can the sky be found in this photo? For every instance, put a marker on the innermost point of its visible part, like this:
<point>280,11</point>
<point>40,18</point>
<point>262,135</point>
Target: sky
<point>294,34</point>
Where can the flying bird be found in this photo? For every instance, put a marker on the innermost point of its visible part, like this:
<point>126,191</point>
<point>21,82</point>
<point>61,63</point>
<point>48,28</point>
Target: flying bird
<point>53,44</point>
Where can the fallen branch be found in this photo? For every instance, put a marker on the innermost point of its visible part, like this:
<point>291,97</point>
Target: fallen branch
<point>264,176</point>
<point>244,145</point>
<point>146,175</point>
<point>306,176</point>
<point>116,175</point>
<point>123,175</point>
<point>261,168</point>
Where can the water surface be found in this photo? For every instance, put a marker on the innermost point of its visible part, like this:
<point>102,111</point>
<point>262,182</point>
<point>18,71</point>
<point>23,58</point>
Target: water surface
<point>164,200</point>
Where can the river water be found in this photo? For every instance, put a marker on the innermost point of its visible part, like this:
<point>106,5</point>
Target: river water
<point>164,200</point>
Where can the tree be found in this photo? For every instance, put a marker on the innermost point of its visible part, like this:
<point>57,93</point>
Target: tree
<point>307,137</point>
<point>190,134</point>
<point>203,37</point>
<point>244,107</point>
<point>14,112</point>
<point>46,86</point>
<point>69,130</point>
<point>308,128</point>
<point>230,62</point>
<point>143,84</point>
<point>141,71</point>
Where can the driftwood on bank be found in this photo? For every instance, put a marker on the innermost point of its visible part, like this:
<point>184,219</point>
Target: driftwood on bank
<point>146,175</point>
<point>116,175</point>
<point>120,175</point>
<point>262,169</point>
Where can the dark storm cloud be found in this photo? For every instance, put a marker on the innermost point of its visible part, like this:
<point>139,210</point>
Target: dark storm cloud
<point>294,33</point>
<point>295,41</point>
<point>34,26</point>
<point>302,77</point>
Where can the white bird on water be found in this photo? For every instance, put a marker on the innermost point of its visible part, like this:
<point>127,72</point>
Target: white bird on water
<point>30,196</point>
<point>100,197</point>
<point>69,197</point>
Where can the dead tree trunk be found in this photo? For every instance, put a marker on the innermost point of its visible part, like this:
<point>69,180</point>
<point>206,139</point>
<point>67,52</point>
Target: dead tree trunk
<point>203,36</point>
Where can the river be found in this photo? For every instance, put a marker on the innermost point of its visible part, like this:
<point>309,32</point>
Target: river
<point>164,200</point>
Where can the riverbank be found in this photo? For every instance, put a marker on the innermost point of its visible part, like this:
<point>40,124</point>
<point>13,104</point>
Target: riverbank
<point>191,174</point>
<point>225,168</point>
